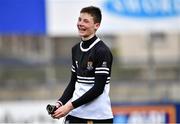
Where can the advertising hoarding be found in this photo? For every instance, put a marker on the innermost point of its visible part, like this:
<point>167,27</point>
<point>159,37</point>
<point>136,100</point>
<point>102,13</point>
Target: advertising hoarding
<point>59,17</point>
<point>143,114</point>
<point>118,15</point>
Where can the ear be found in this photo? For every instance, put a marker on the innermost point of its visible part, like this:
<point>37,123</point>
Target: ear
<point>97,25</point>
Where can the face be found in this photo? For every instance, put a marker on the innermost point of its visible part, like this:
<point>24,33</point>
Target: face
<point>86,26</point>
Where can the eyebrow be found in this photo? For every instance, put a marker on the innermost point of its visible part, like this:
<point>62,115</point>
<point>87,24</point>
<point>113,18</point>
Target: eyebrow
<point>83,19</point>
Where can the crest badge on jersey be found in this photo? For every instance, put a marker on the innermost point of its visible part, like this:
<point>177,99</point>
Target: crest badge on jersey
<point>104,64</point>
<point>89,65</point>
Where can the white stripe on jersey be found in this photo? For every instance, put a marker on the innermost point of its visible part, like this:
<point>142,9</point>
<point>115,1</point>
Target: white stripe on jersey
<point>85,77</point>
<point>103,72</point>
<point>89,79</point>
<point>85,81</point>
<point>73,70</point>
<point>107,81</point>
<point>73,67</point>
<point>102,68</point>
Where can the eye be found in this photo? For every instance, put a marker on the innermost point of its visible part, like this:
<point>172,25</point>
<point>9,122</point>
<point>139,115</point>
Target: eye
<point>79,19</point>
<point>86,20</point>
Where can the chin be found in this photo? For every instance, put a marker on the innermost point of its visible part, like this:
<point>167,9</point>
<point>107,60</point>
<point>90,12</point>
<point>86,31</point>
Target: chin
<point>82,35</point>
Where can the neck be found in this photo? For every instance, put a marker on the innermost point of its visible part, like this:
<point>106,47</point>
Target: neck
<point>87,43</point>
<point>87,38</point>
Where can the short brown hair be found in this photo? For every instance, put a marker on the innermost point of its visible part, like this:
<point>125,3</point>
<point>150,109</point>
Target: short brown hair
<point>95,12</point>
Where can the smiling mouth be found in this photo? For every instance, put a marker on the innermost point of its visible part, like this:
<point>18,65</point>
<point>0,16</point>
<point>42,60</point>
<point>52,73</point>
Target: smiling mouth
<point>81,29</point>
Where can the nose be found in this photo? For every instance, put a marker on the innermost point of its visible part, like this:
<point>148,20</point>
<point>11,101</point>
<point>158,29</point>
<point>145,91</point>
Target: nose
<point>80,23</point>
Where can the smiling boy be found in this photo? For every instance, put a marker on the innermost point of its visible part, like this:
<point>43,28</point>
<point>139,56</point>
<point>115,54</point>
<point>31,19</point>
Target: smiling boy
<point>86,98</point>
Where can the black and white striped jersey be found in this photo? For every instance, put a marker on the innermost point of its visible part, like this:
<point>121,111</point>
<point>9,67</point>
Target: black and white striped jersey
<point>90,80</point>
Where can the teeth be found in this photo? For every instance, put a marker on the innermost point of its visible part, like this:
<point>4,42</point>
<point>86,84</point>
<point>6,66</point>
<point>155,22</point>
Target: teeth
<point>82,29</point>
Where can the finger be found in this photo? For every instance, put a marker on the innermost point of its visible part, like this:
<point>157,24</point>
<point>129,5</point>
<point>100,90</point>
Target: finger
<point>57,114</point>
<point>53,117</point>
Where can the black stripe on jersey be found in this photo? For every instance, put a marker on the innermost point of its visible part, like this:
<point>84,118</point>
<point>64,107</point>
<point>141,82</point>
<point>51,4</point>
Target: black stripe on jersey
<point>89,80</point>
<point>102,70</point>
<point>86,80</point>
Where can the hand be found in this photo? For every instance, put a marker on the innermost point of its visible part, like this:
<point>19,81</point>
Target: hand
<point>63,110</point>
<point>57,105</point>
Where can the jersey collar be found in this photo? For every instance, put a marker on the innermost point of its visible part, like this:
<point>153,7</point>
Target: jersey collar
<point>85,50</point>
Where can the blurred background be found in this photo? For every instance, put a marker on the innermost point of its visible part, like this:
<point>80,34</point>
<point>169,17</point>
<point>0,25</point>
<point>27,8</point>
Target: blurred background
<point>36,37</point>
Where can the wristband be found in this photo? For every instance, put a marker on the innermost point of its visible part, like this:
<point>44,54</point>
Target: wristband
<point>61,104</point>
